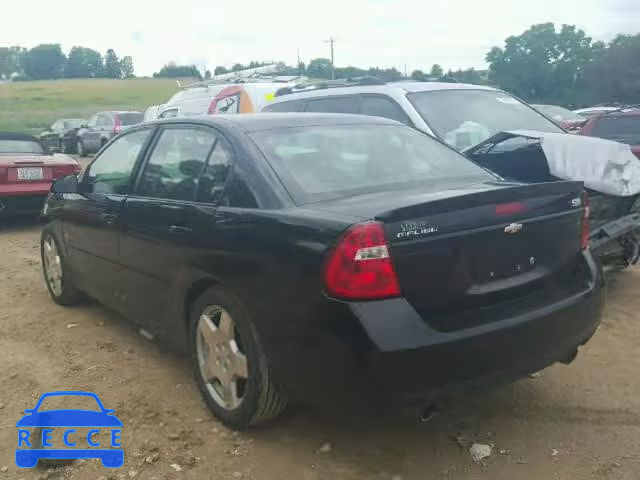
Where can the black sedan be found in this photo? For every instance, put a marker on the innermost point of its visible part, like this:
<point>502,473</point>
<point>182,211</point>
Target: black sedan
<point>322,257</point>
<point>61,137</point>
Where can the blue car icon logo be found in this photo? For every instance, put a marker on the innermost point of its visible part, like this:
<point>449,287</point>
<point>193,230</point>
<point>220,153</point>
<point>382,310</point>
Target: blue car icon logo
<point>31,449</point>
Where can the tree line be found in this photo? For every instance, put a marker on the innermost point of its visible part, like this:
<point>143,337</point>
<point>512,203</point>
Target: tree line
<point>543,64</point>
<point>49,62</point>
<point>565,66</point>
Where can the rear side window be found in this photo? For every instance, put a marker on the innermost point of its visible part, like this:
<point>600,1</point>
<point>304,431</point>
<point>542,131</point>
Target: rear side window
<point>111,171</point>
<point>621,128</point>
<point>380,106</point>
<point>291,106</point>
<point>174,166</point>
<point>345,104</point>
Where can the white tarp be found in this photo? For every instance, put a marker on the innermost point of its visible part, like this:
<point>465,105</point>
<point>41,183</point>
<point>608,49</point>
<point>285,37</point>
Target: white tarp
<point>603,165</point>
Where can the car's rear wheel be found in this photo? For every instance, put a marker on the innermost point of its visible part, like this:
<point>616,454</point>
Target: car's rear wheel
<point>56,272</point>
<point>231,368</point>
<point>80,148</point>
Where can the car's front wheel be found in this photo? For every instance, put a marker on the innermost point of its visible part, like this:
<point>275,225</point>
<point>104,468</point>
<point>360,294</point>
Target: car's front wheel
<point>231,368</point>
<point>57,275</point>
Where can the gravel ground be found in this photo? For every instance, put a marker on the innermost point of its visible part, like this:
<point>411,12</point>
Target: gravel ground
<point>580,421</point>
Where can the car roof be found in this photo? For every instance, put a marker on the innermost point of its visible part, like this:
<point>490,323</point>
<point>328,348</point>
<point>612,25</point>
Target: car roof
<point>17,136</point>
<point>251,122</point>
<point>632,113</point>
<point>117,111</point>
<point>399,87</point>
<point>595,109</point>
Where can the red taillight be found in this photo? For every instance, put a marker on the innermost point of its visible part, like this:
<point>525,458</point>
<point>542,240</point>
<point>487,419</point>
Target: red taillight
<point>510,208</point>
<point>117,124</point>
<point>584,234</point>
<point>360,266</point>
<point>63,170</point>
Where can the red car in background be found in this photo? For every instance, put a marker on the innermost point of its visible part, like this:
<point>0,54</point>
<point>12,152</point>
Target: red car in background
<point>26,173</point>
<point>621,126</point>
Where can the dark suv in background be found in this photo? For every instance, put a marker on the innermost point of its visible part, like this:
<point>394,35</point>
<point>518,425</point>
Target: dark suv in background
<point>102,127</point>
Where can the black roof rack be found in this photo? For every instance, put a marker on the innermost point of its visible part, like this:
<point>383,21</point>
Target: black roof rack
<point>343,82</point>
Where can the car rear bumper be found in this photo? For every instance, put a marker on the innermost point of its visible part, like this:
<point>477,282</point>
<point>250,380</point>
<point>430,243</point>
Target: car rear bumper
<point>31,203</point>
<point>405,357</point>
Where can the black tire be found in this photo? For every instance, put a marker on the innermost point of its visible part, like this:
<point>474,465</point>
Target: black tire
<point>263,399</point>
<point>68,146</point>
<point>80,149</point>
<point>69,294</point>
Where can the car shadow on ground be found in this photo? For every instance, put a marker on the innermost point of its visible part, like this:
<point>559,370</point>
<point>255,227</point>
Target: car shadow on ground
<point>13,224</point>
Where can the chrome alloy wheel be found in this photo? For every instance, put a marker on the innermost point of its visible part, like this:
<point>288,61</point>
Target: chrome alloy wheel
<point>220,355</point>
<point>52,266</point>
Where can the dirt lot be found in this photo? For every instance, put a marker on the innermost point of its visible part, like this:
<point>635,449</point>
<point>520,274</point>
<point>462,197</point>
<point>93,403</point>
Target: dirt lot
<point>572,422</point>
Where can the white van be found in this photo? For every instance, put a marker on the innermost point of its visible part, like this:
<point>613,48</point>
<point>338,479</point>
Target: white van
<point>221,98</point>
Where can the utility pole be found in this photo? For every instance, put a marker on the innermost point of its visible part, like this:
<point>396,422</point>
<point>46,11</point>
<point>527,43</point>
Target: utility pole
<point>331,41</point>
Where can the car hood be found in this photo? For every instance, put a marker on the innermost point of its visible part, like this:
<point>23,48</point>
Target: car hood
<point>12,160</point>
<point>69,418</point>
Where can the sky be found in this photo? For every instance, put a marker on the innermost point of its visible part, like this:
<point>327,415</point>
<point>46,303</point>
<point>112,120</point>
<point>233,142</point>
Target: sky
<point>384,33</point>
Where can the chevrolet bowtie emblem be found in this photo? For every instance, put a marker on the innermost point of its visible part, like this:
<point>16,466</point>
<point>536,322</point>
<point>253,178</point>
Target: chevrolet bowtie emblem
<point>513,228</point>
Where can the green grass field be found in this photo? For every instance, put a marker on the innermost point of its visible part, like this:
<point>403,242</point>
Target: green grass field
<point>33,106</point>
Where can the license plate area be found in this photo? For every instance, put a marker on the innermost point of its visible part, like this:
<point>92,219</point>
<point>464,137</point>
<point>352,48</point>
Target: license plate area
<point>30,173</point>
<point>507,260</point>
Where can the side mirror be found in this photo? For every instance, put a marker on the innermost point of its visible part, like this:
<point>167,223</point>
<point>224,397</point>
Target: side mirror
<point>66,184</point>
<point>84,125</point>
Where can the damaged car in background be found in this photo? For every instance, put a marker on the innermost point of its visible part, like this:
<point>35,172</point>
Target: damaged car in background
<point>487,125</point>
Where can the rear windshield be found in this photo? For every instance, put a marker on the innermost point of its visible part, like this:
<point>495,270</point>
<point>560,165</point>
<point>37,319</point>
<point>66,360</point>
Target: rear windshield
<point>621,128</point>
<point>131,118</point>
<point>465,118</point>
<point>324,162</point>
<point>19,146</point>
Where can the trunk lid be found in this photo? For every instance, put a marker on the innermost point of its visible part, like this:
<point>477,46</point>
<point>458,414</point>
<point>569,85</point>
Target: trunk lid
<point>479,254</point>
<point>22,168</point>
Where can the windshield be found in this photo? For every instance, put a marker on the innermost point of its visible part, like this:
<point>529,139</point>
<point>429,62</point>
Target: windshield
<point>559,114</point>
<point>464,118</point>
<point>323,162</point>
<point>20,146</point>
<point>621,128</point>
<point>131,118</point>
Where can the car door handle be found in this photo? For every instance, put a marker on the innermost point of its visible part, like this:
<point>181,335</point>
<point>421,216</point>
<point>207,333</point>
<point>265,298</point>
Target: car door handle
<point>179,229</point>
<point>108,218</point>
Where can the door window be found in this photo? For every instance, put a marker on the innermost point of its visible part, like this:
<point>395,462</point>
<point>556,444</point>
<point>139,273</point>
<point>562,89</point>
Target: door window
<point>215,174</point>
<point>104,121</point>
<point>92,121</point>
<point>175,164</point>
<point>345,104</point>
<point>379,106</point>
<point>111,171</point>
